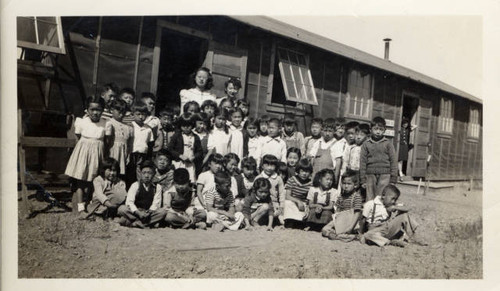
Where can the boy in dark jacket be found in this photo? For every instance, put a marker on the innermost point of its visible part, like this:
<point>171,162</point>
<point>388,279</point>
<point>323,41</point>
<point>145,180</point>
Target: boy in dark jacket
<point>185,146</point>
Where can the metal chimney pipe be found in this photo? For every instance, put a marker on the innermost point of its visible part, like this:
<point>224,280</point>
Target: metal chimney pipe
<point>386,53</point>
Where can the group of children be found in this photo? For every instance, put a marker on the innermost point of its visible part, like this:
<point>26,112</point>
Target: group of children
<point>211,165</point>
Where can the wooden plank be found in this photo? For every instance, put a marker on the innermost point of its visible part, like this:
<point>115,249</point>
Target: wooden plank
<point>22,167</point>
<point>43,142</point>
<point>156,59</point>
<point>137,53</point>
<point>183,29</point>
<point>270,78</point>
<point>97,52</point>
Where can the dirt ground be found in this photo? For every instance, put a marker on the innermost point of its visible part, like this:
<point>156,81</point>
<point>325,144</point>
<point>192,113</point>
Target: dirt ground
<point>56,245</point>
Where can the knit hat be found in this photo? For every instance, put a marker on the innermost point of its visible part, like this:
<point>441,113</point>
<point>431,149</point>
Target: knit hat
<point>181,176</point>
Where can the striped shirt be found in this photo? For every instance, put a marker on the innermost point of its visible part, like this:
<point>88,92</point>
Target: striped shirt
<point>214,199</point>
<point>352,201</point>
<point>298,190</point>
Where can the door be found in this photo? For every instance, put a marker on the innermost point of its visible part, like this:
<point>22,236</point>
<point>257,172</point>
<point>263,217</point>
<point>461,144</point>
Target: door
<point>421,139</point>
<point>225,62</point>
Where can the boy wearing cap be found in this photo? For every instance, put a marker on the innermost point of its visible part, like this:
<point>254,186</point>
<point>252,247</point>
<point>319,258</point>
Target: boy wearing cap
<point>142,206</point>
<point>177,200</point>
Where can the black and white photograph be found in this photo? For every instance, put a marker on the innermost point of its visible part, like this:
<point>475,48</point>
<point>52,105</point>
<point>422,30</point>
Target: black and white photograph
<point>236,146</point>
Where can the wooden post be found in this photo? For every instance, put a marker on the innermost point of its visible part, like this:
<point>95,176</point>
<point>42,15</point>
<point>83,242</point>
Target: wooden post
<point>22,166</point>
<point>418,188</point>
<point>137,54</point>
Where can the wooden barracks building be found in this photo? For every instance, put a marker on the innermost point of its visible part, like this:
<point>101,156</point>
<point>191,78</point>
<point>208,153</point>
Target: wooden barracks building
<point>283,69</point>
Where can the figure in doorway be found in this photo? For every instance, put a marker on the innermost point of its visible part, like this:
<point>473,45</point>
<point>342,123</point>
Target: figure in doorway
<point>404,144</point>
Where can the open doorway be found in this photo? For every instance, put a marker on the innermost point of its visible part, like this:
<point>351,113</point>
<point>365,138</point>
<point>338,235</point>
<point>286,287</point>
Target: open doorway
<point>410,112</point>
<point>180,56</point>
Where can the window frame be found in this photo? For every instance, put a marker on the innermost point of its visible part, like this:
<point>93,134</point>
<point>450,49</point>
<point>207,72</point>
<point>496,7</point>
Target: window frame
<point>281,62</point>
<point>369,102</point>
<point>41,47</point>
<point>474,126</point>
<point>446,121</point>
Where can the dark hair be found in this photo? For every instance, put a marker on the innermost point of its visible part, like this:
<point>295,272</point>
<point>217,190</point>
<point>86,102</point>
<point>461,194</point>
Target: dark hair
<point>330,123</point>
<point>405,120</point>
<point>249,163</point>
<point>189,104</point>
<point>127,90</point>
<point>210,79</point>
<point>353,175</point>
<point>226,100</point>
<point>221,177</point>
<point>321,174</point>
<point>244,102</point>
<point>275,121</point>
<point>202,116</point>
<point>235,81</point>
<point>186,119</point>
<point>391,188</point>
<point>165,153</point>
<point>317,120</point>
<point>294,150</point>
<point>304,165</point>
<point>150,95</point>
<point>208,103</point>
<point>379,121</point>
<point>95,99</point>
<point>260,183</point>
<point>270,160</point>
<point>289,119</point>
<point>251,121</point>
<point>221,113</point>
<point>108,86</point>
<point>216,158</point>
<point>262,119</point>
<point>229,157</point>
<point>108,163</point>
<point>147,164</point>
<point>234,110</point>
<point>119,105</point>
<point>140,106</point>
<point>340,122</point>
<point>282,169</point>
<point>167,111</point>
<point>364,127</point>
<point>351,125</point>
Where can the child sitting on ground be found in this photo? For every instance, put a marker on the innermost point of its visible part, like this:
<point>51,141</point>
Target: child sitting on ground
<point>220,205</point>
<point>142,206</point>
<point>258,203</point>
<point>348,209</point>
<point>387,222</point>
<point>245,180</point>
<point>177,199</point>
<point>206,179</point>
<point>378,161</point>
<point>164,170</point>
<point>296,190</point>
<point>320,200</point>
<point>109,190</point>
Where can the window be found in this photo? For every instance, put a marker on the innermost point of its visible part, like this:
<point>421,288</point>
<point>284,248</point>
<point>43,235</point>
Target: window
<point>446,116</point>
<point>473,128</point>
<point>40,33</point>
<point>296,77</point>
<point>359,94</point>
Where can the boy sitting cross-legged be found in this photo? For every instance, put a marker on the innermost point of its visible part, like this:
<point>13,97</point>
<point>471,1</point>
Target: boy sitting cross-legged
<point>220,204</point>
<point>142,206</point>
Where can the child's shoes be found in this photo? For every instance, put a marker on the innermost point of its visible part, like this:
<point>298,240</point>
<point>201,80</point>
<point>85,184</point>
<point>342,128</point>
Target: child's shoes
<point>397,243</point>
<point>201,225</point>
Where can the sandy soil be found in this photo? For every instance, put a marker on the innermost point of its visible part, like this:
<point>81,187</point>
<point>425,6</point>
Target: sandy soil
<point>56,245</point>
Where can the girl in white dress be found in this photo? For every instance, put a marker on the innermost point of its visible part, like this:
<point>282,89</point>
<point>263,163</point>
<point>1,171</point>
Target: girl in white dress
<point>83,165</point>
<point>119,135</point>
<point>203,82</point>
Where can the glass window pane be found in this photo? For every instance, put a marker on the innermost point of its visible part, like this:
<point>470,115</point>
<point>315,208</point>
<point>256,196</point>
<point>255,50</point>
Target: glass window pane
<point>47,34</point>
<point>26,29</point>
<point>291,89</point>
<point>296,75</point>
<point>287,72</point>
<point>305,76</point>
